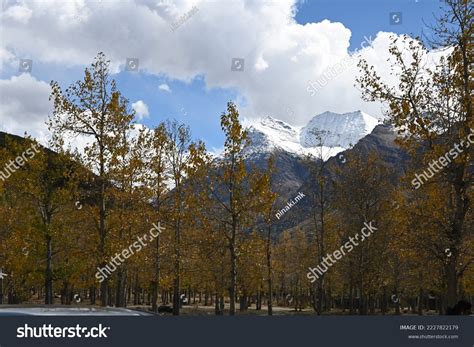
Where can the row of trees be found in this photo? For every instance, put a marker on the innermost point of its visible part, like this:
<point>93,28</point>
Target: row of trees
<point>72,211</point>
<point>432,110</point>
<point>63,214</point>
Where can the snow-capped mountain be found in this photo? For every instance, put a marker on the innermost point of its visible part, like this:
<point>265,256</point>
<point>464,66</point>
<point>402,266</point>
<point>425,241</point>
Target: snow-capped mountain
<point>272,133</point>
<point>329,131</point>
<point>337,130</point>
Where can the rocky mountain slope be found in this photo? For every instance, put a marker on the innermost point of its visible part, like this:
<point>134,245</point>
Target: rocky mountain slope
<point>341,134</point>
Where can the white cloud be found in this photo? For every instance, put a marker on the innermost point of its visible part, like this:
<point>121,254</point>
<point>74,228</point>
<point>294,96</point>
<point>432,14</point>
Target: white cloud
<point>164,87</point>
<point>261,64</point>
<point>25,106</point>
<point>141,109</point>
<point>7,58</point>
<point>281,56</point>
<point>18,13</point>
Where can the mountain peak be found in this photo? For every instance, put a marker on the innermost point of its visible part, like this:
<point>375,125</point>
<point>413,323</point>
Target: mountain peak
<point>339,132</point>
<point>276,124</point>
<point>271,133</point>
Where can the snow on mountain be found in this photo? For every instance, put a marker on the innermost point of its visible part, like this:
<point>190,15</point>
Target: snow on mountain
<point>336,131</point>
<point>271,133</point>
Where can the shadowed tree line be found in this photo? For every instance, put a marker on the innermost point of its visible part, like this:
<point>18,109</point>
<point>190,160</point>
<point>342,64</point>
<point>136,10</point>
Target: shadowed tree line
<point>65,213</point>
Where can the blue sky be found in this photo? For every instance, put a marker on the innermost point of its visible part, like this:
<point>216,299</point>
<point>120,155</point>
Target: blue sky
<point>199,78</point>
<point>198,107</point>
<point>190,103</point>
<point>367,17</point>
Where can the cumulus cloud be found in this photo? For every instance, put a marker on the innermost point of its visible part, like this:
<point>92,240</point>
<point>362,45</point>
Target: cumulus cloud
<point>141,109</point>
<point>18,13</point>
<point>281,56</point>
<point>25,106</point>
<point>164,87</point>
<point>7,58</point>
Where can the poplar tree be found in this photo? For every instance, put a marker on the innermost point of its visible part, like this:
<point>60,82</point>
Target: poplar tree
<point>431,107</point>
<point>93,109</point>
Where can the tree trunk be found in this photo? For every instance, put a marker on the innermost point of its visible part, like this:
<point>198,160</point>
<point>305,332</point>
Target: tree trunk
<point>66,294</point>
<point>92,293</point>
<point>383,306</point>
<point>351,298</point>
<point>233,272</point>
<point>104,292</point>
<point>104,298</point>
<point>219,305</point>
<point>319,295</point>
<point>258,304</point>
<point>136,293</point>
<point>243,302</point>
<point>120,287</point>
<point>177,263</point>
<point>397,303</point>
<point>269,271</point>
<point>420,302</point>
<point>48,281</point>
<point>1,290</point>
<point>222,304</point>
<point>176,282</point>
<point>155,284</point>
<point>451,284</point>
